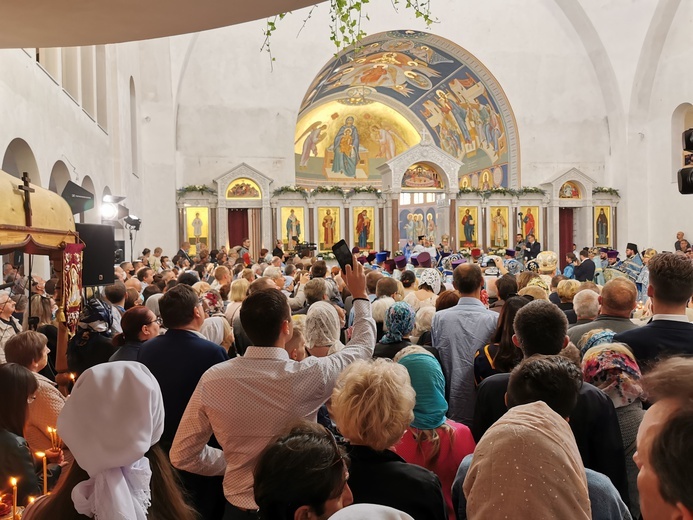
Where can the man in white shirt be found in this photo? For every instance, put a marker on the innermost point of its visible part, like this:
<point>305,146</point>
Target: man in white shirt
<point>251,400</point>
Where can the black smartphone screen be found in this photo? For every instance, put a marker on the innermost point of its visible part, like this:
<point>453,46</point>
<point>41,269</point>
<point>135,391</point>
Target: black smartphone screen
<point>343,254</point>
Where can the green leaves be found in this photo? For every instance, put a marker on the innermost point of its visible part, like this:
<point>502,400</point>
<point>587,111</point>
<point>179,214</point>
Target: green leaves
<point>345,21</point>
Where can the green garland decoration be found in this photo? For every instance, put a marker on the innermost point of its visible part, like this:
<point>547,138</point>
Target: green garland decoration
<point>364,189</point>
<point>202,189</point>
<point>485,194</point>
<point>333,190</point>
<point>291,189</point>
<point>604,189</point>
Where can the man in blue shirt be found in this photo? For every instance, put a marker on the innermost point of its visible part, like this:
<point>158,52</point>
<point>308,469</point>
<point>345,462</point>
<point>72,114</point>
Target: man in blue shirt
<point>458,333</point>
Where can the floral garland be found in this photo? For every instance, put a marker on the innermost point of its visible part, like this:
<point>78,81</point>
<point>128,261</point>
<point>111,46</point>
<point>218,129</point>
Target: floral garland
<point>291,189</point>
<point>364,189</point>
<point>328,256</point>
<point>485,194</point>
<point>604,189</point>
<point>335,190</point>
<point>192,188</point>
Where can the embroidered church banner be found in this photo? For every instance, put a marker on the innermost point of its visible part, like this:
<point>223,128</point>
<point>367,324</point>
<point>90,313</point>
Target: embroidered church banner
<point>72,285</point>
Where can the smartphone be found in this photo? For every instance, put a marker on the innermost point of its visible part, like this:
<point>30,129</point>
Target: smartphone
<point>343,255</point>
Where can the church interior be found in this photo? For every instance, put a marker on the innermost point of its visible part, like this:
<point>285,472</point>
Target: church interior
<point>253,274</point>
<point>557,110</point>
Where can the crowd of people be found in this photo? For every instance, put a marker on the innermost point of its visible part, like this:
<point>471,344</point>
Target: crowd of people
<point>223,385</point>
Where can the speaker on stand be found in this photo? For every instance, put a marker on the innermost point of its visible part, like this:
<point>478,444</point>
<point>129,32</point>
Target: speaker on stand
<point>98,255</point>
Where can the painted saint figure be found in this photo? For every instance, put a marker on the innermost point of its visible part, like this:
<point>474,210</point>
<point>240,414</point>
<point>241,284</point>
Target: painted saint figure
<point>293,229</point>
<point>328,229</point>
<point>431,228</point>
<point>197,227</point>
<point>602,229</point>
<point>411,226</point>
<point>468,226</point>
<point>499,225</point>
<point>363,228</point>
<point>528,221</point>
<point>346,149</point>
<point>419,226</point>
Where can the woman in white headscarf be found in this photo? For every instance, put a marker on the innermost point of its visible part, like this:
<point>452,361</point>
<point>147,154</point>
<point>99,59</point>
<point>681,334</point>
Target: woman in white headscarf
<point>112,423</point>
<point>322,330</point>
<point>427,294</point>
<point>369,512</point>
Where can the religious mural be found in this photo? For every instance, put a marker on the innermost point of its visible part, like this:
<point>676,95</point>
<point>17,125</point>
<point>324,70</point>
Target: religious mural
<point>328,228</point>
<point>292,226</point>
<point>528,221</point>
<point>602,226</point>
<point>467,225</point>
<point>243,189</point>
<point>415,222</point>
<point>369,104</point>
<point>569,190</point>
<point>197,225</point>
<point>422,177</point>
<point>499,221</point>
<point>364,227</point>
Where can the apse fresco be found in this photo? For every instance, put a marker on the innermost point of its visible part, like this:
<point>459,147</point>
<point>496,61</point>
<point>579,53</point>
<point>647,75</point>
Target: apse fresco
<point>367,106</point>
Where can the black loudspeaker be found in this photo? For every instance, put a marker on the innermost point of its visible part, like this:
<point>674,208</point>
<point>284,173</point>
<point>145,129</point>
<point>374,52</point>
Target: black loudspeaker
<point>97,266</point>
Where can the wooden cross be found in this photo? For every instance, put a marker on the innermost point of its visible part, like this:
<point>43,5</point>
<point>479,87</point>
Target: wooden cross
<point>27,189</point>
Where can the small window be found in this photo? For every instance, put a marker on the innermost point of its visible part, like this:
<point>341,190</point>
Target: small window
<point>418,198</point>
<point>405,199</point>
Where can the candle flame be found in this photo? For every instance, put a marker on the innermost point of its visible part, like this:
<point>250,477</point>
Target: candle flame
<point>40,454</point>
<point>32,499</point>
<point>13,481</point>
<point>50,430</point>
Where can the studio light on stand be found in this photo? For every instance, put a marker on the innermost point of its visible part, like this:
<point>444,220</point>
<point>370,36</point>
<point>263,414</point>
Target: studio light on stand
<point>132,223</point>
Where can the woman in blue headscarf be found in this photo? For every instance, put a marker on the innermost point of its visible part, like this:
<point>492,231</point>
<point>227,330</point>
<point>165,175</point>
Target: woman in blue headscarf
<point>399,322</point>
<point>432,440</point>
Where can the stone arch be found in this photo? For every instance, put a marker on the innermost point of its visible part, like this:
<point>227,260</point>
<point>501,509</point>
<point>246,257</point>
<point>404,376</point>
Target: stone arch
<point>90,216</point>
<point>20,158</point>
<point>439,174</point>
<point>60,176</point>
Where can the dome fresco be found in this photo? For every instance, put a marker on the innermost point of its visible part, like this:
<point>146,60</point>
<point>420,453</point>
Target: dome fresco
<point>369,105</point>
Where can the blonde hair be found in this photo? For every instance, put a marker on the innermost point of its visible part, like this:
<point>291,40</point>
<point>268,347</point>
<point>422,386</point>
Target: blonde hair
<point>200,288</point>
<point>239,290</point>
<point>411,349</point>
<point>534,291</point>
<point>567,289</point>
<point>373,403</point>
<point>220,272</point>
<point>380,307</point>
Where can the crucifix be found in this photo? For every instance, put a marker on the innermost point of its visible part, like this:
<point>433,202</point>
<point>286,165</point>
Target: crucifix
<point>27,189</point>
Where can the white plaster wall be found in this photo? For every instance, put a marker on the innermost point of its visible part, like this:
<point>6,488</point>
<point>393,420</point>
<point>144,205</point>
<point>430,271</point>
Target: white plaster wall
<point>35,108</point>
<point>232,108</point>
<point>664,211</point>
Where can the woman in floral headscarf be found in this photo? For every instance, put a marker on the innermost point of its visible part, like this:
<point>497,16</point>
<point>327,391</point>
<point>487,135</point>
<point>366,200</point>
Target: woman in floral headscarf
<point>612,368</point>
<point>427,294</point>
<point>399,322</point>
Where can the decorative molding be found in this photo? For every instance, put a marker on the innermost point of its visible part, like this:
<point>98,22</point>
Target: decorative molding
<point>243,170</point>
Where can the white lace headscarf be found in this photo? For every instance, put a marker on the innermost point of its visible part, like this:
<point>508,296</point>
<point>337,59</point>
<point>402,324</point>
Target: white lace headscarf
<point>114,415</point>
<point>322,327</point>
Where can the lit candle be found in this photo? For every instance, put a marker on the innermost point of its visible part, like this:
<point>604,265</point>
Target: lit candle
<point>42,455</point>
<point>13,482</point>
<point>32,500</point>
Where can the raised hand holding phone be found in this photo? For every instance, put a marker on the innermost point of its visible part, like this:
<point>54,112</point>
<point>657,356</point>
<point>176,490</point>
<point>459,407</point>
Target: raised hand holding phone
<point>355,279</point>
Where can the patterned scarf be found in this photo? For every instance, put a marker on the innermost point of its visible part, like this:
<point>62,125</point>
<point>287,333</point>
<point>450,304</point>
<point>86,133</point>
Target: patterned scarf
<point>613,369</point>
<point>399,322</point>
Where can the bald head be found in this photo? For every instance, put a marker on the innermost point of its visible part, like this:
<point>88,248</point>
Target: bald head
<point>618,298</point>
<point>261,284</point>
<point>467,279</point>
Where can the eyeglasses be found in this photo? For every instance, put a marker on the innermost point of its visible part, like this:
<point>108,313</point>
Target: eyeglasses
<point>158,321</point>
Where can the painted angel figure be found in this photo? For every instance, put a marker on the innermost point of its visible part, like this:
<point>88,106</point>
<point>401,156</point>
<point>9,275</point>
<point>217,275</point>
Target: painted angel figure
<point>313,134</point>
